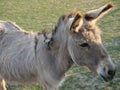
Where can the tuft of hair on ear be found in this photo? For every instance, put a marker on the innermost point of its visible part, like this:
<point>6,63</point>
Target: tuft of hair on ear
<point>110,5</point>
<point>98,13</point>
<point>78,16</point>
<point>77,22</point>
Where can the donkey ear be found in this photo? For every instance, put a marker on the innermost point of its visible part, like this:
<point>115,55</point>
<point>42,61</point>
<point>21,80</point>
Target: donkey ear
<point>96,14</point>
<point>77,22</point>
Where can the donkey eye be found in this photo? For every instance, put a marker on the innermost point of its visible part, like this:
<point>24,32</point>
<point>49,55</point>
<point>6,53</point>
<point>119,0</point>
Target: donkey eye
<point>84,45</point>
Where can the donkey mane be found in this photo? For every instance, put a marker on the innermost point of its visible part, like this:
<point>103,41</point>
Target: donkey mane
<point>62,17</point>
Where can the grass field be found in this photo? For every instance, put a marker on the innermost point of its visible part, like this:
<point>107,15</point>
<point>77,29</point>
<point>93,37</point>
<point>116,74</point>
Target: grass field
<point>36,15</point>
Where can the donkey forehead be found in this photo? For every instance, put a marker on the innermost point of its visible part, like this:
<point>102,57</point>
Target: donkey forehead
<point>89,31</point>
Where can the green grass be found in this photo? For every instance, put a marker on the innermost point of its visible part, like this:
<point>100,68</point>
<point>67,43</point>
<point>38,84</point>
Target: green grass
<point>36,15</point>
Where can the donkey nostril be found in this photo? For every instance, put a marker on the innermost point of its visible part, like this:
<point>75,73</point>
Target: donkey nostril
<point>110,72</point>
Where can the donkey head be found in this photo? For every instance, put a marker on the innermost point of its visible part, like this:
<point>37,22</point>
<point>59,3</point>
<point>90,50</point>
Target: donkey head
<point>84,43</point>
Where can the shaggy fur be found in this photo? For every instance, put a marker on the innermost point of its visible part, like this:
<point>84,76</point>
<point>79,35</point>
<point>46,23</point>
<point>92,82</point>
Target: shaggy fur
<point>32,57</point>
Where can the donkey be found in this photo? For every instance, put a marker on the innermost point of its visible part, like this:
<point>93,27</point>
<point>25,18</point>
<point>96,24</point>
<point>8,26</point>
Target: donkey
<point>31,57</point>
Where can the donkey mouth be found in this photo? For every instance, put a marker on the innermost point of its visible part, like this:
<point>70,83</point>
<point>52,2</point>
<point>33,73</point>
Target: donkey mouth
<point>107,78</point>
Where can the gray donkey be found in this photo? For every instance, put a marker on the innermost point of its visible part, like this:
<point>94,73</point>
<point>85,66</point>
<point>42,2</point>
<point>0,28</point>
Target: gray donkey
<point>32,57</point>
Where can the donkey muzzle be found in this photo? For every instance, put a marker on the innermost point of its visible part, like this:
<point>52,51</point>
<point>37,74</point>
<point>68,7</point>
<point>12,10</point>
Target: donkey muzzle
<point>107,72</point>
<point>109,75</point>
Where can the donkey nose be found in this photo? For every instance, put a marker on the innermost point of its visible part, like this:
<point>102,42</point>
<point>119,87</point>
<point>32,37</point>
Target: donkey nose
<point>111,72</point>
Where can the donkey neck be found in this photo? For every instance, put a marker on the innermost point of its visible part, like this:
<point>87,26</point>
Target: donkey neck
<point>54,62</point>
<point>63,59</point>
